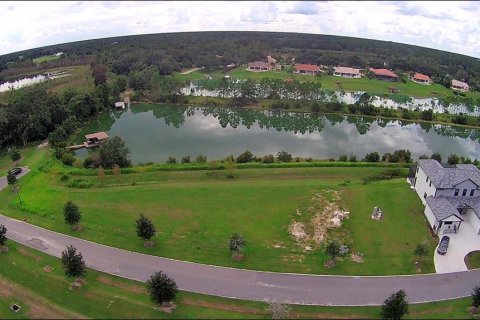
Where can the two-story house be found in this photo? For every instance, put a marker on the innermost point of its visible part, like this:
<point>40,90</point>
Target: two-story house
<point>451,194</point>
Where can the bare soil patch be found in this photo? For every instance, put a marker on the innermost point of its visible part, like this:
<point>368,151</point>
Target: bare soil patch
<point>26,253</point>
<point>47,269</point>
<point>357,257</point>
<point>167,307</point>
<point>42,145</point>
<point>148,244</point>
<point>130,288</point>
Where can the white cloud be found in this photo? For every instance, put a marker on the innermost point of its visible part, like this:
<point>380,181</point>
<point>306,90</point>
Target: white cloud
<point>446,25</point>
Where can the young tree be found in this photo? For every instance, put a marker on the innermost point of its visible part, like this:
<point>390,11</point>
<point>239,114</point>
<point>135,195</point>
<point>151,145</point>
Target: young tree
<point>162,288</point>
<point>116,170</point>
<point>436,156</point>
<point>476,297</point>
<point>3,234</point>
<point>14,154</point>
<point>145,228</point>
<point>332,249</point>
<point>284,156</point>
<point>201,159</point>
<point>171,160</point>
<point>453,159</point>
<point>420,251</point>
<point>11,178</point>
<point>73,263</point>
<point>71,213</point>
<point>236,243</point>
<point>372,157</point>
<point>395,306</point>
<point>186,159</point>
<point>113,151</point>
<point>279,310</point>
<point>245,157</point>
<point>230,167</point>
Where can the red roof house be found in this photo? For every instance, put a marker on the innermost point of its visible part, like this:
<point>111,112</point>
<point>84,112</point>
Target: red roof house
<point>384,74</point>
<point>421,78</point>
<point>306,69</point>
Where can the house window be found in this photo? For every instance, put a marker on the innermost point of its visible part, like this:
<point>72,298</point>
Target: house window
<point>447,222</point>
<point>472,192</point>
<point>426,180</point>
<point>430,184</point>
<point>464,192</point>
<point>425,195</point>
<point>418,168</point>
<point>456,192</point>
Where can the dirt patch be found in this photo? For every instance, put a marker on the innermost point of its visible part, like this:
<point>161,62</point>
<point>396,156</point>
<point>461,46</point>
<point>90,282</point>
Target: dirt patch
<point>148,244</point>
<point>78,283</point>
<point>238,256</point>
<point>47,269</point>
<point>329,264</point>
<point>3,249</point>
<point>26,253</point>
<point>357,257</point>
<point>78,227</point>
<point>167,307</point>
<point>326,212</point>
<point>42,145</point>
<point>129,288</point>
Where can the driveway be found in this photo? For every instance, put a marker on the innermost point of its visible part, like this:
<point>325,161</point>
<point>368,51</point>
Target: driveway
<point>248,284</point>
<point>465,241</point>
<point>4,182</point>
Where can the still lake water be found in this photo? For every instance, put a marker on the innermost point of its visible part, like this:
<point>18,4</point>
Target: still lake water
<point>153,132</point>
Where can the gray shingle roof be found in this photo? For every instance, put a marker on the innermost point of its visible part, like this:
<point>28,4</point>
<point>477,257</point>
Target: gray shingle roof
<point>446,178</point>
<point>442,208</point>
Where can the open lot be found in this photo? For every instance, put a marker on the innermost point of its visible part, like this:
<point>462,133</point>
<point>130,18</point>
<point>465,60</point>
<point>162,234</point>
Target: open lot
<point>196,213</point>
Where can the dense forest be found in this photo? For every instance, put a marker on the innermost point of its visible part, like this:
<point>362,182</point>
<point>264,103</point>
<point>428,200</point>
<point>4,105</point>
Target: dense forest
<point>171,52</point>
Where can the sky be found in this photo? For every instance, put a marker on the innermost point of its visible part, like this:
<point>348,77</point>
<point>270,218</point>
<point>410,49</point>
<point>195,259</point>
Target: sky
<point>446,25</point>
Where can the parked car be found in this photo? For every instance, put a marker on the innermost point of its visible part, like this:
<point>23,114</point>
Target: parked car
<point>443,246</point>
<point>16,170</point>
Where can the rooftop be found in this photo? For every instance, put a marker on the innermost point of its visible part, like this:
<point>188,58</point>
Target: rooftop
<point>383,72</point>
<point>347,70</point>
<point>420,76</point>
<point>457,83</point>
<point>442,208</point>
<point>257,64</point>
<point>307,67</point>
<point>448,177</point>
<point>102,135</point>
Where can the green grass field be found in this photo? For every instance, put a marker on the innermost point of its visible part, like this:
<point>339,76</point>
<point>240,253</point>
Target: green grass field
<point>196,213</point>
<point>45,58</point>
<point>47,295</point>
<point>472,260</point>
<point>372,86</point>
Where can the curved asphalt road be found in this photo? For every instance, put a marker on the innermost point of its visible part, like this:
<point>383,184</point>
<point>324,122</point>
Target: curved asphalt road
<point>245,284</point>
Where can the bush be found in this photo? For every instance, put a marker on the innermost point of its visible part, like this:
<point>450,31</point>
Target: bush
<point>268,159</point>
<point>68,159</point>
<point>161,288</point>
<point>437,156</point>
<point>201,159</point>
<point>171,160</point>
<point>186,159</point>
<point>80,183</point>
<point>14,154</point>
<point>245,157</point>
<point>343,158</point>
<point>395,306</point>
<point>64,177</point>
<point>284,156</point>
<point>353,158</point>
<point>89,163</point>
<point>372,157</point>
<point>453,159</point>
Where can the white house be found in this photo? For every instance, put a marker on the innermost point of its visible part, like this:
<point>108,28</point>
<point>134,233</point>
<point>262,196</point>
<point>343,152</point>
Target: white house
<point>459,85</point>
<point>451,194</point>
<point>119,105</point>
<point>346,72</point>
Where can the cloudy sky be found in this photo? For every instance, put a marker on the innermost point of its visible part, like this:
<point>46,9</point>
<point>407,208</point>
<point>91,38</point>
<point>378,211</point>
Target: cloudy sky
<point>451,26</point>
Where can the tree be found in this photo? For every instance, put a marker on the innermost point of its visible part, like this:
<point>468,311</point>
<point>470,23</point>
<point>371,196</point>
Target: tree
<point>343,158</point>
<point>279,310</point>
<point>186,159</point>
<point>352,158</point>
<point>420,251</point>
<point>114,152</point>
<point>372,157</point>
<point>11,178</point>
<point>401,156</point>
<point>268,159</point>
<point>201,159</point>
<point>230,167</point>
<point>475,296</point>
<point>99,74</point>
<point>14,154</point>
<point>145,228</point>
<point>284,156</point>
<point>162,288</point>
<point>73,263</point>
<point>427,115</point>
<point>245,157</point>
<point>171,160</point>
<point>333,249</point>
<point>71,213</point>
<point>395,306</point>
<point>436,156</point>
<point>3,234</point>
<point>453,159</point>
<point>236,243</point>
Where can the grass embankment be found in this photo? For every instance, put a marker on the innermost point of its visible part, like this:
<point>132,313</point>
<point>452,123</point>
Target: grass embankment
<point>196,212</point>
<point>46,295</point>
<point>45,58</point>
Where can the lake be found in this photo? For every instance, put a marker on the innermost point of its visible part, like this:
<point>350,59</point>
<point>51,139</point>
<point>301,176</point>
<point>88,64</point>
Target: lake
<point>6,86</point>
<point>153,132</point>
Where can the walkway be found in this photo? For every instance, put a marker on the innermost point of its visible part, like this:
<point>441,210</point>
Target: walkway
<point>4,182</point>
<point>245,284</point>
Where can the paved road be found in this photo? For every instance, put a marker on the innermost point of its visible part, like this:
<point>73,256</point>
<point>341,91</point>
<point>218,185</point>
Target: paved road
<point>245,284</point>
<point>4,182</point>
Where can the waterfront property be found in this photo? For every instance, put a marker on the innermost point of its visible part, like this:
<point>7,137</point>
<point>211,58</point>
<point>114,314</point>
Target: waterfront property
<point>421,78</point>
<point>95,138</point>
<point>459,85</point>
<point>306,69</point>
<point>384,74</point>
<point>451,195</point>
<point>346,72</point>
<point>120,105</point>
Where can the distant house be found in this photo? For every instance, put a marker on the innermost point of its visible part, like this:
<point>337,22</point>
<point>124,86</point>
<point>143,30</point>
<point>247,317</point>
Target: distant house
<point>96,138</point>
<point>258,66</point>
<point>346,72</point>
<point>119,105</point>
<point>384,74</point>
<point>451,195</point>
<point>459,85</point>
<point>58,54</point>
<point>421,78</point>
<point>306,69</point>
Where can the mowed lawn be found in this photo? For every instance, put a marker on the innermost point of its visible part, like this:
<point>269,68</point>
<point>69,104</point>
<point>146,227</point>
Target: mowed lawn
<point>195,215</point>
<point>47,295</point>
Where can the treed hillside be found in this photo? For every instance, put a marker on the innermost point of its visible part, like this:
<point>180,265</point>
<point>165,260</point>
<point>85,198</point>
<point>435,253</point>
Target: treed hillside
<point>214,50</point>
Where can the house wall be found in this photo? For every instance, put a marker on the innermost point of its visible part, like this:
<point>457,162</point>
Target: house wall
<point>474,220</point>
<point>422,186</point>
<point>431,217</point>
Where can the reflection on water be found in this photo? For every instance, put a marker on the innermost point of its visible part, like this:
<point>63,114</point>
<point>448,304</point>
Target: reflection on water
<point>29,81</point>
<point>155,132</point>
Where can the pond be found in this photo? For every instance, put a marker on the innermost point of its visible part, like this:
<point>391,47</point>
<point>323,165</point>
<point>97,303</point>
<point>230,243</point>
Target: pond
<point>153,132</point>
<point>6,86</point>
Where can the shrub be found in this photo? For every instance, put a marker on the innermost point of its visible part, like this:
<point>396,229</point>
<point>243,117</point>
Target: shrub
<point>372,157</point>
<point>395,306</point>
<point>186,159</point>
<point>80,183</point>
<point>343,158</point>
<point>245,157</point>
<point>352,158</point>
<point>161,288</point>
<point>284,156</point>
<point>64,177</point>
<point>201,159</point>
<point>89,162</point>
<point>171,160</point>
<point>269,159</point>
<point>453,159</point>
<point>68,159</point>
<point>14,154</point>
